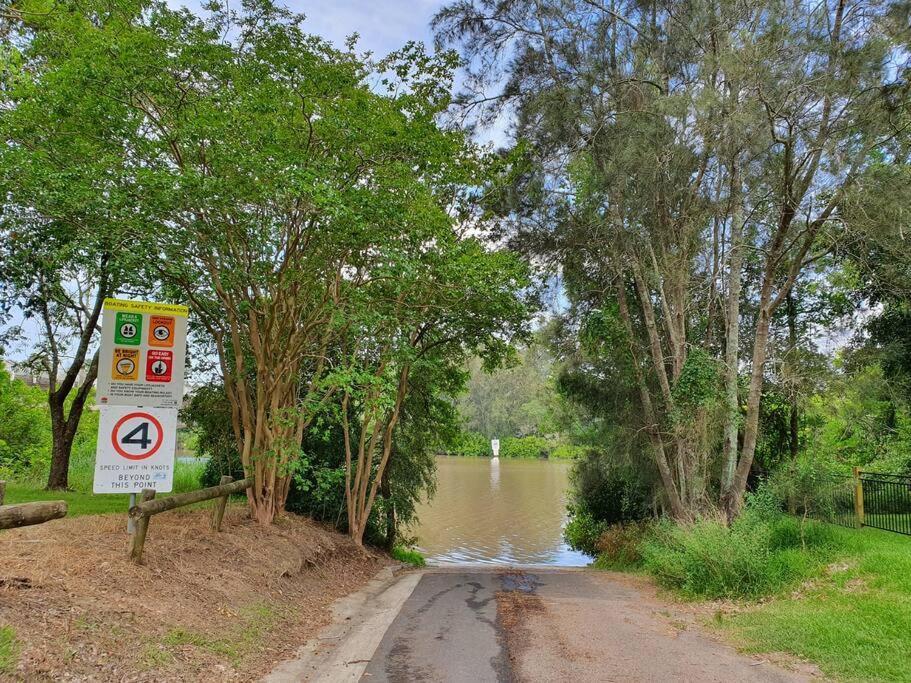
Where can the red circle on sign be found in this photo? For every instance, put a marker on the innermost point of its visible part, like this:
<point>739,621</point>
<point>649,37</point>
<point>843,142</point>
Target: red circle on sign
<point>130,456</point>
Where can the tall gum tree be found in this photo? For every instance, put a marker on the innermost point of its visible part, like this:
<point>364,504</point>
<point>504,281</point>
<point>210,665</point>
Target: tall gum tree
<point>681,161</point>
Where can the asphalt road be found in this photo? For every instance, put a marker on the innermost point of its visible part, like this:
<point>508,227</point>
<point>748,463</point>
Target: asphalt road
<point>477,626</point>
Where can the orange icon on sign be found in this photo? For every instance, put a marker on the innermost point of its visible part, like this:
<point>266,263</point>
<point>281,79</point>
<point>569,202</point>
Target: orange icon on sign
<point>125,367</point>
<point>161,330</point>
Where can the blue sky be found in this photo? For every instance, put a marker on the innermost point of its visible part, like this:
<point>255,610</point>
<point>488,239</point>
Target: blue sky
<point>383,25</point>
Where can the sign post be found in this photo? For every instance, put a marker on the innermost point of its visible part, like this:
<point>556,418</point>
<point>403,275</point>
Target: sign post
<point>495,447</point>
<point>140,387</point>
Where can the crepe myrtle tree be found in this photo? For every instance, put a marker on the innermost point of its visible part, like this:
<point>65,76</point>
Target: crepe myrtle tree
<point>430,307</point>
<point>275,171</point>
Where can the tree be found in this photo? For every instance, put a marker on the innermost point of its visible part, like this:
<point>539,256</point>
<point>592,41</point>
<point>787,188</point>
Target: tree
<point>445,304</point>
<point>683,163</point>
<point>281,176</point>
<point>71,227</point>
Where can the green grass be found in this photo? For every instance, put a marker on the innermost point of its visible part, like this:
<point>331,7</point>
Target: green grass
<point>81,501</point>
<point>854,621</point>
<point>9,649</point>
<point>409,556</point>
<point>254,622</point>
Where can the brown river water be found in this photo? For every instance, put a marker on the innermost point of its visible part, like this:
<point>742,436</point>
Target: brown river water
<point>508,512</point>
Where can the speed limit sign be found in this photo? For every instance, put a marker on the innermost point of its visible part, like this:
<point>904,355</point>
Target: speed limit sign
<point>135,450</point>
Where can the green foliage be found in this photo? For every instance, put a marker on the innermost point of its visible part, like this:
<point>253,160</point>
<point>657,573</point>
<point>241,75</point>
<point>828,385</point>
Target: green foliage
<point>409,556</point>
<point>566,451</point>
<point>469,443</point>
<point>516,401</point>
<point>619,546</point>
<point>9,649</point>
<point>525,447</point>
<point>583,531</point>
<point>853,621</point>
<point>699,384</point>
<point>25,427</point>
<point>609,492</point>
<point>761,553</point>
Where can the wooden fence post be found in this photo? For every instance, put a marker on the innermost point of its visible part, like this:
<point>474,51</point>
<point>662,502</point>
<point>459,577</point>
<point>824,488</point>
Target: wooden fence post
<point>2,491</point>
<point>218,512</point>
<point>858,499</point>
<point>142,526</point>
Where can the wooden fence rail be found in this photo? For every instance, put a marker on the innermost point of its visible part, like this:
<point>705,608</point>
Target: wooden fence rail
<point>26,514</point>
<point>149,505</point>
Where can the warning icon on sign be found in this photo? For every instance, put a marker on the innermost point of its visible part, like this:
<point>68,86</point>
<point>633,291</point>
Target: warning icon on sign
<point>125,367</point>
<point>161,330</point>
<point>158,366</point>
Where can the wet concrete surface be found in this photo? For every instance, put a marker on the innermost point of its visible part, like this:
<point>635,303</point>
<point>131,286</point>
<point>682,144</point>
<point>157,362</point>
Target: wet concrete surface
<point>446,631</point>
<point>516,626</point>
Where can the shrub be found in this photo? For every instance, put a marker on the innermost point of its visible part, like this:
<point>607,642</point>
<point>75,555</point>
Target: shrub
<point>524,447</point>
<point>760,553</point>
<point>408,556</point>
<point>583,531</point>
<point>470,444</point>
<point>565,451</point>
<point>609,492</point>
<point>619,545</point>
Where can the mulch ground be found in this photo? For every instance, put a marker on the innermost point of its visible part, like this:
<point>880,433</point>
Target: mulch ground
<point>204,606</point>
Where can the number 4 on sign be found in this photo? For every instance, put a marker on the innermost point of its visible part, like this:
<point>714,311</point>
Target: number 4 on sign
<point>143,441</point>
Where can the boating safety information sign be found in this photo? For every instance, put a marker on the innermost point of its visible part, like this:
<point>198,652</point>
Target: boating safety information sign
<point>139,390</point>
<point>143,352</point>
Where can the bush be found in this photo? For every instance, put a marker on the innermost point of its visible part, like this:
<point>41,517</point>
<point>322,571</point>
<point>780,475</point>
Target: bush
<point>762,552</point>
<point>408,556</point>
<point>529,447</point>
<point>583,531</point>
<point>619,546</point>
<point>609,492</point>
<point>565,451</point>
<point>25,428</point>
<point>469,444</point>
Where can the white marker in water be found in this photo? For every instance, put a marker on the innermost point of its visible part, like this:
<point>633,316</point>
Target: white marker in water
<point>495,447</point>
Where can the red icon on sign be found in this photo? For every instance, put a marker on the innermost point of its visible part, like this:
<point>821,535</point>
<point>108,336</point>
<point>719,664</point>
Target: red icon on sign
<point>158,365</point>
<point>131,437</point>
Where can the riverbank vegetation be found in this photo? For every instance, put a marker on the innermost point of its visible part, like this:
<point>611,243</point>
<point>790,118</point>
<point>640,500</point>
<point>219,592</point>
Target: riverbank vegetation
<point>834,596</point>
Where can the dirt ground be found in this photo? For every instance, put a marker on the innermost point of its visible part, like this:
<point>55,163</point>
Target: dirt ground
<point>204,606</point>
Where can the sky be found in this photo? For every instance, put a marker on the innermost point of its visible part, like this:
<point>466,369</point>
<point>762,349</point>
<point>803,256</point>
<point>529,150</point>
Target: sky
<point>383,25</point>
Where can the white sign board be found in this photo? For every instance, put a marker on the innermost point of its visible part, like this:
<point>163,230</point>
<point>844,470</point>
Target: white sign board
<point>495,447</point>
<point>143,353</point>
<point>135,450</point>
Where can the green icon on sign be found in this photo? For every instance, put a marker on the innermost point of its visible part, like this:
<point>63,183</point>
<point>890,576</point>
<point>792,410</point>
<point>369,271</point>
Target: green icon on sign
<point>128,329</point>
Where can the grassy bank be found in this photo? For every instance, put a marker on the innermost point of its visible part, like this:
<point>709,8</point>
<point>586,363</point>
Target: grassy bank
<point>837,597</point>
<point>80,499</point>
<point>853,619</point>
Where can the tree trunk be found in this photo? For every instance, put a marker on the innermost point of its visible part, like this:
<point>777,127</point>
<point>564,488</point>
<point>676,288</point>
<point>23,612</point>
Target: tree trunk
<point>386,492</point>
<point>62,447</point>
<point>732,350</point>
<point>794,417</point>
<point>651,423</point>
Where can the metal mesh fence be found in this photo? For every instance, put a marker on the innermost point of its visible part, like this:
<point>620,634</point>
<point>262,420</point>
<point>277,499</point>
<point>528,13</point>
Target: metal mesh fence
<point>882,500</point>
<point>887,501</point>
